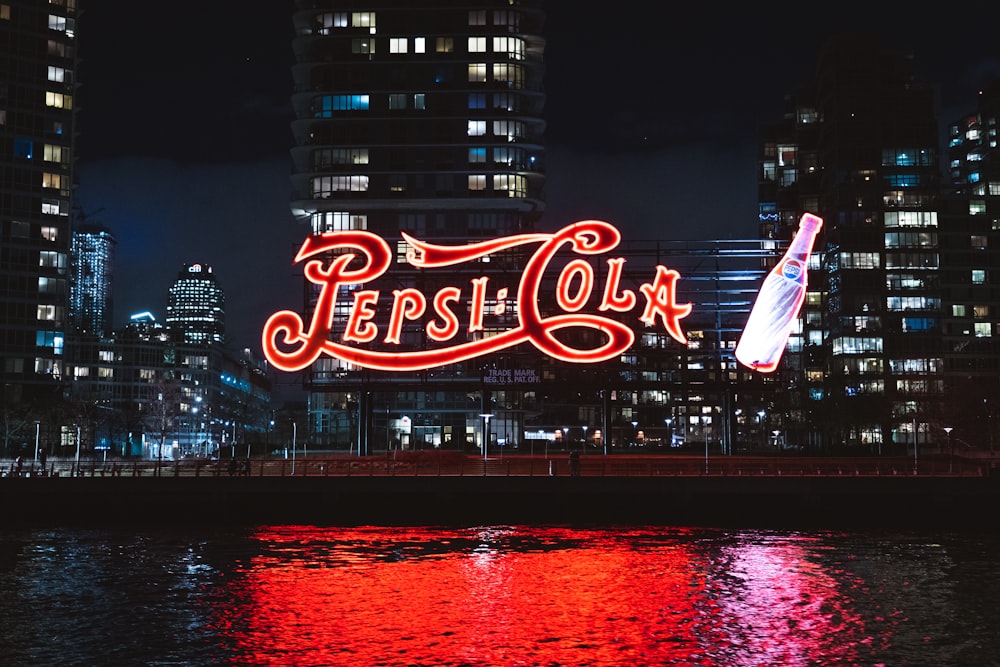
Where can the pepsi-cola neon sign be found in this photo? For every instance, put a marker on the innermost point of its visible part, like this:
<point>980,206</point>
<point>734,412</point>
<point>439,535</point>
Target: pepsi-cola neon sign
<point>350,260</point>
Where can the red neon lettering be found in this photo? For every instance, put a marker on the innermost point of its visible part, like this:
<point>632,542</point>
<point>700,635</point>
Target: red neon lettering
<point>580,268</point>
<point>478,304</point>
<point>612,301</point>
<point>501,302</point>
<point>284,330</point>
<point>449,326</point>
<point>407,304</point>
<point>364,257</point>
<point>359,327</point>
<point>660,300</point>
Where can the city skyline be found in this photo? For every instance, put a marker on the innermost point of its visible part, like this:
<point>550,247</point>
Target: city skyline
<point>208,181</point>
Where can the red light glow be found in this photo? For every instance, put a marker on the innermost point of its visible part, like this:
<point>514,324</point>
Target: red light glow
<point>290,346</point>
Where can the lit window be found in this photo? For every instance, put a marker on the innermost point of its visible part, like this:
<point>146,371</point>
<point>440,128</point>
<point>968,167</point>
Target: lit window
<point>978,276</point>
<point>397,101</point>
<point>55,181</point>
<point>327,104</point>
<point>983,329</point>
<point>53,153</point>
<point>477,155</point>
<point>514,185</point>
<point>50,233</point>
<point>477,72</point>
<point>444,44</point>
<point>364,46</point>
<point>419,101</point>
<point>477,100</point>
<point>363,20</point>
<point>977,207</point>
<point>513,47</point>
<point>54,207</point>
<point>58,100</point>
<point>512,130</point>
<point>477,45</point>
<point>512,75</point>
<point>477,182</point>
<point>477,128</point>
<point>419,45</point>
<point>57,74</point>
<point>398,45</point>
<point>324,186</point>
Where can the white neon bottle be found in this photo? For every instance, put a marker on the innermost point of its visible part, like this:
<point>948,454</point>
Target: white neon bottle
<point>778,302</point>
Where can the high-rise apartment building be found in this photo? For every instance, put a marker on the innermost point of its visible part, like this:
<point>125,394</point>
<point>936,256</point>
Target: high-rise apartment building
<point>91,289</point>
<point>196,306</point>
<point>417,117</point>
<point>899,298</point>
<point>970,266</point>
<point>37,86</point>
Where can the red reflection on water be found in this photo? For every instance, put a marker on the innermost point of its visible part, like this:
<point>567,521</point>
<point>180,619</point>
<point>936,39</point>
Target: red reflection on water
<point>535,596</point>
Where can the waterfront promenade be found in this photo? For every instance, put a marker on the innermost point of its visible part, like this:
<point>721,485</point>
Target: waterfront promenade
<point>757,492</point>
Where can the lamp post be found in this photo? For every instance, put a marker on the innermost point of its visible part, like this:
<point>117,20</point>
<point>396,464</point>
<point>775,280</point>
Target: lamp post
<point>194,429</point>
<point>585,437</point>
<point>915,445</point>
<point>37,428</point>
<point>763,429</point>
<point>635,426</point>
<point>951,449</point>
<point>486,433</point>
<point>295,431</point>
<point>77,464</point>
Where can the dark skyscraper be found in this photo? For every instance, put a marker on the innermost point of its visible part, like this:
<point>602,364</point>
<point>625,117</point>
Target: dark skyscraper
<point>899,315</point>
<point>417,117</point>
<point>37,65</point>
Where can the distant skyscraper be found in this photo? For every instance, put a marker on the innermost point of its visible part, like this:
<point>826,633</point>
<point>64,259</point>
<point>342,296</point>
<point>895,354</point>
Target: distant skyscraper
<point>37,64</point>
<point>92,280</point>
<point>196,308</point>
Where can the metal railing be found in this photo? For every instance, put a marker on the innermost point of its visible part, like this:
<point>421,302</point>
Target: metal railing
<point>515,466</point>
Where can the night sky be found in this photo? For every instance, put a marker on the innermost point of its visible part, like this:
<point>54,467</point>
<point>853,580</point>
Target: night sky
<point>652,124</point>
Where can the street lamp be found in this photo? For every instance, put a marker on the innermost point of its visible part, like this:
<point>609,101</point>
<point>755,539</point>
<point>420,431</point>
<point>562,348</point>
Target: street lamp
<point>295,431</point>
<point>37,427</point>
<point>585,437</point>
<point>951,449</point>
<point>486,433</point>
<point>194,428</point>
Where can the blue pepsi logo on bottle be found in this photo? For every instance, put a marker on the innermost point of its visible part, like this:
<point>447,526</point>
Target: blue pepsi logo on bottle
<point>792,270</point>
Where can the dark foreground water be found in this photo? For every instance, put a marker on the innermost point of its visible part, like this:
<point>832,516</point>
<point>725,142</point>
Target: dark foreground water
<point>498,596</point>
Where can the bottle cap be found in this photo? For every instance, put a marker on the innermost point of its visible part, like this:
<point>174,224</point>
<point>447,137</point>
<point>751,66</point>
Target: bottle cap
<point>810,222</point>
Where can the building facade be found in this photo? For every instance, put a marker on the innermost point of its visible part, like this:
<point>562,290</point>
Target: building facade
<point>424,118</point>
<point>899,304</point>
<point>141,392</point>
<point>196,306</point>
<point>37,66</point>
<point>91,297</point>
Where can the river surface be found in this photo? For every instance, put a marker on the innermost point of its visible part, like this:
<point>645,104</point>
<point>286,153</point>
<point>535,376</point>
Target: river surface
<point>498,596</point>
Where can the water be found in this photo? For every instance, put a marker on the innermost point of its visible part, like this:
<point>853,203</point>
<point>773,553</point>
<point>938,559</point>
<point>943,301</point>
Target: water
<point>497,596</point>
